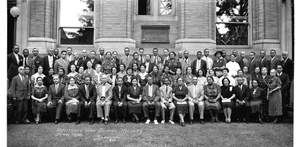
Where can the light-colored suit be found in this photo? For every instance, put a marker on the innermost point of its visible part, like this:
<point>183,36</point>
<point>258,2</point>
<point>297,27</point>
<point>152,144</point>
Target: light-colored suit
<point>155,96</point>
<point>126,60</point>
<point>30,62</point>
<point>184,64</point>
<point>166,101</point>
<point>196,97</point>
<point>61,63</point>
<point>106,103</point>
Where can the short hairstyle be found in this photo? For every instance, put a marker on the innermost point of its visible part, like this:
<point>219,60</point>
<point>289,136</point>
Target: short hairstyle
<point>55,75</point>
<point>93,51</point>
<point>199,52</point>
<point>206,49</point>
<point>71,77</point>
<point>69,48</point>
<point>201,71</point>
<point>126,48</point>
<point>123,65</point>
<point>173,53</point>
<point>225,79</point>
<point>210,78</point>
<point>155,49</point>
<point>62,70</point>
<point>254,80</point>
<point>134,78</point>
<point>226,69</point>
<point>141,49</point>
<point>253,53</point>
<point>166,49</point>
<point>114,52</point>
<point>285,52</point>
<point>39,78</point>
<point>63,51</point>
<point>27,66</point>
<point>107,52</point>
<point>272,50</point>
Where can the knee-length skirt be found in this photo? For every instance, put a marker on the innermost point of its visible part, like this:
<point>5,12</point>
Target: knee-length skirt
<point>38,107</point>
<point>256,106</point>
<point>181,108</point>
<point>212,106</point>
<point>72,108</point>
<point>134,107</point>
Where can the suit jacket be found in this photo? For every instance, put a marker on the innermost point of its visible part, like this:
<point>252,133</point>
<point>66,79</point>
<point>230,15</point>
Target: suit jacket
<point>240,61</point>
<point>265,63</point>
<point>108,92</point>
<point>79,63</point>
<point>70,58</point>
<point>119,96</point>
<point>199,92</point>
<point>92,93</point>
<point>243,94</point>
<point>96,61</point>
<point>53,94</point>
<point>252,65</point>
<point>61,63</point>
<point>85,61</point>
<point>203,67</point>
<point>138,62</point>
<point>288,68</point>
<point>13,65</point>
<point>166,95</point>
<point>185,64</point>
<point>126,61</point>
<point>20,89</point>
<point>285,82</point>
<point>276,61</point>
<point>155,93</point>
<point>100,58</point>
<point>56,57</point>
<point>46,65</point>
<point>246,63</point>
<point>142,58</point>
<point>164,59</point>
<point>150,68</point>
<point>30,63</point>
<point>38,61</point>
<point>153,60</point>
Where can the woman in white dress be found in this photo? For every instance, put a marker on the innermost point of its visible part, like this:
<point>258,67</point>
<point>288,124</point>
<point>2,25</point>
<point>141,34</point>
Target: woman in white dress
<point>232,66</point>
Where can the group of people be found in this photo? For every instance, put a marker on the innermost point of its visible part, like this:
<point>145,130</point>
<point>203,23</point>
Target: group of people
<point>135,85</point>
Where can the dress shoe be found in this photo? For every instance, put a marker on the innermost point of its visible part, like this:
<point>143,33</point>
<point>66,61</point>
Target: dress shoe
<point>56,121</point>
<point>211,120</point>
<point>237,120</point>
<point>69,120</point>
<point>201,121</point>
<point>191,122</point>
<point>26,121</point>
<point>92,121</point>
<point>137,121</point>
<point>77,122</point>
<point>171,122</point>
<point>260,121</point>
<point>17,122</point>
<point>155,122</point>
<point>36,122</point>
<point>101,121</point>
<point>124,121</point>
<point>147,121</point>
<point>183,124</point>
<point>275,121</point>
<point>217,120</point>
<point>106,122</point>
<point>117,120</point>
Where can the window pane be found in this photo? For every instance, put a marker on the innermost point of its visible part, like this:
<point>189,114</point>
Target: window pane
<point>232,7</point>
<point>232,34</point>
<point>165,7</point>
<point>77,13</point>
<point>225,18</point>
<point>77,36</point>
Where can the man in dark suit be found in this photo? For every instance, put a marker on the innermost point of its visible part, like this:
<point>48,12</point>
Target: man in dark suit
<point>238,59</point>
<point>48,61</point>
<point>151,96</point>
<point>225,58</point>
<point>253,63</point>
<point>116,60</point>
<point>101,56</point>
<point>55,99</point>
<point>285,82</point>
<point>38,61</point>
<point>94,60</point>
<point>242,95</point>
<point>20,91</point>
<point>148,64</point>
<point>274,60</point>
<point>287,65</point>
<point>55,54</point>
<point>154,57</point>
<point>87,94</point>
<point>119,98</point>
<point>198,64</point>
<point>244,59</point>
<point>14,60</point>
<point>77,62</point>
<point>28,61</point>
<point>84,59</point>
<point>264,62</point>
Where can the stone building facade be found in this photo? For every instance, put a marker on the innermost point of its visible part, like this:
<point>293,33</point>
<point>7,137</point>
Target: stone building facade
<point>185,24</point>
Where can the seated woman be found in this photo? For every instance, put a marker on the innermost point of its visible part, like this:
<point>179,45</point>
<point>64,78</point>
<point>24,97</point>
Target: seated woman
<point>167,74</point>
<point>79,78</point>
<point>63,78</point>
<point>134,97</point>
<point>247,75</point>
<point>218,64</point>
<point>175,78</point>
<point>89,71</point>
<point>71,95</point>
<point>128,77</point>
<point>212,92</point>
<point>180,96</point>
<point>188,77</point>
<point>36,75</point>
<point>201,78</point>
<point>135,69</point>
<point>39,96</point>
<point>227,96</point>
<point>211,73</point>
<point>113,77</point>
<point>48,80</point>
<point>143,74</point>
<point>240,73</point>
<point>73,72</point>
<point>156,76</point>
<point>256,97</point>
<point>122,71</point>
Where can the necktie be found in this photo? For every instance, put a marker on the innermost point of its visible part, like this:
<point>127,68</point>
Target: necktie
<point>25,60</point>
<point>56,88</point>
<point>198,65</point>
<point>87,91</point>
<point>166,89</point>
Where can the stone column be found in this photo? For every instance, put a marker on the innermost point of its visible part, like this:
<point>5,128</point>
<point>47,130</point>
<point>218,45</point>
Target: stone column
<point>114,24</point>
<point>196,25</point>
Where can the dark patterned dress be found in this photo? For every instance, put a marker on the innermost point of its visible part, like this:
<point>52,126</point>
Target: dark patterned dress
<point>70,93</point>
<point>212,91</point>
<point>180,93</point>
<point>256,97</point>
<point>262,83</point>
<point>275,98</point>
<point>135,93</point>
<point>39,92</point>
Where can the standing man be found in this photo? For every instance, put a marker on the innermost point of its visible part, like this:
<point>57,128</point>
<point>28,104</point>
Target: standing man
<point>87,95</point>
<point>166,56</point>
<point>225,58</point>
<point>151,96</point>
<point>209,61</point>
<point>38,61</point>
<point>287,65</point>
<point>48,61</point>
<point>253,63</point>
<point>77,62</point>
<point>127,58</point>
<point>119,97</point>
<point>264,62</point>
<point>185,62</point>
<point>101,56</point>
<point>84,59</point>
<point>108,63</point>
<point>148,64</point>
<point>28,61</point>
<point>238,59</point>
<point>55,99</point>
<point>244,60</point>
<point>141,55</point>
<point>154,56</point>
<point>116,60</point>
<point>14,60</point>
<point>195,96</point>
<point>69,57</point>
<point>274,60</point>
<point>94,60</point>
<point>20,91</point>
<point>62,63</point>
<point>180,56</point>
<point>199,64</point>
<point>285,82</point>
<point>55,55</point>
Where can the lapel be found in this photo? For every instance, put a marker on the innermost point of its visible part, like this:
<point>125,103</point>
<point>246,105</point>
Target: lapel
<point>22,82</point>
<point>14,58</point>
<point>243,89</point>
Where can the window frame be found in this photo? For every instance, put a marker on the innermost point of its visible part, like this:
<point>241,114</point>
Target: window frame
<point>58,34</point>
<point>249,23</point>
